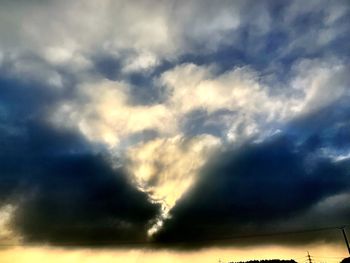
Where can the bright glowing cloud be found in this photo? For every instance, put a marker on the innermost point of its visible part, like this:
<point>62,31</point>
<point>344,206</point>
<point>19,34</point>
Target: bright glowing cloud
<point>166,168</point>
<point>108,117</point>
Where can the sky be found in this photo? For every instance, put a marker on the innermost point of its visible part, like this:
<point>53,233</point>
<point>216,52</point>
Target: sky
<point>172,130</point>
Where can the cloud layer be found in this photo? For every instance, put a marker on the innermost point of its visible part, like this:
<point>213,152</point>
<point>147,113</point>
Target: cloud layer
<point>165,121</point>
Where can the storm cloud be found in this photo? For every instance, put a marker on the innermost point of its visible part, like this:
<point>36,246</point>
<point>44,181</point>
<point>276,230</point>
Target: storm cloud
<point>63,190</point>
<point>173,123</point>
<point>262,189</point>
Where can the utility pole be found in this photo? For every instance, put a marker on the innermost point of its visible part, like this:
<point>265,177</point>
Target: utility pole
<point>345,238</point>
<point>309,257</point>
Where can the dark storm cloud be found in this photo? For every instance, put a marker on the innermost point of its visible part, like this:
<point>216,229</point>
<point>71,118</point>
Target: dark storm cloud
<point>281,184</point>
<point>64,192</point>
<point>327,128</point>
<point>78,200</point>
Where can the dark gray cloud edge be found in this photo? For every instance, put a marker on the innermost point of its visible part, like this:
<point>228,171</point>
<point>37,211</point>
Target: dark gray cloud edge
<point>269,187</point>
<point>64,192</point>
<point>67,195</point>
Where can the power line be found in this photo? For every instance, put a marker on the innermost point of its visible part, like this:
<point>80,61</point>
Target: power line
<point>345,238</point>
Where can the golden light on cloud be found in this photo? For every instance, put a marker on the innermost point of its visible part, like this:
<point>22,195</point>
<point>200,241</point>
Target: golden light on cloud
<point>104,114</point>
<point>166,168</point>
<point>7,234</point>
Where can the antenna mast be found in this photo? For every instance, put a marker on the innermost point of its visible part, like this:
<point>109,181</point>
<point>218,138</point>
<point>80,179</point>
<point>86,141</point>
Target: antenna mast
<point>309,257</point>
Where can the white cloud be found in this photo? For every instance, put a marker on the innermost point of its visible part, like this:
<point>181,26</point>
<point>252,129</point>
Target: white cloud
<point>103,111</point>
<point>151,30</point>
<point>148,31</point>
<point>143,61</point>
<point>239,91</point>
<point>30,69</point>
<point>194,87</point>
<point>103,114</point>
<point>57,30</point>
<point>321,82</point>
